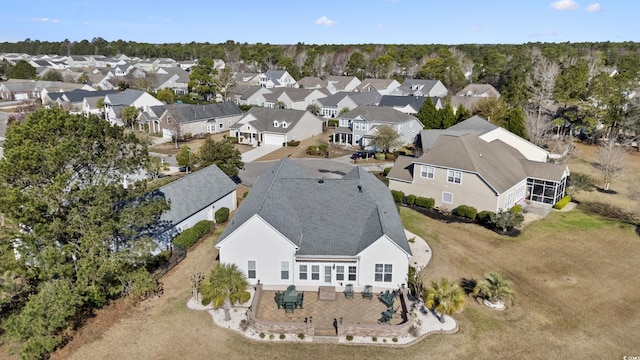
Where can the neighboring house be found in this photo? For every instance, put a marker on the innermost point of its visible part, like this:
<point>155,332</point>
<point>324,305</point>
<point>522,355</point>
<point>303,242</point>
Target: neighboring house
<point>292,98</point>
<point>74,100</point>
<point>194,119</point>
<point>383,86</point>
<point>175,79</point>
<point>90,105</point>
<point>193,198</point>
<point>311,82</point>
<point>249,95</point>
<point>331,105</point>
<point>114,103</point>
<point>276,78</point>
<point>419,87</point>
<point>408,104</point>
<point>359,126</point>
<point>79,61</point>
<point>296,229</point>
<point>247,78</point>
<point>342,83</point>
<point>472,94</point>
<point>478,164</point>
<point>22,90</point>
<point>275,126</point>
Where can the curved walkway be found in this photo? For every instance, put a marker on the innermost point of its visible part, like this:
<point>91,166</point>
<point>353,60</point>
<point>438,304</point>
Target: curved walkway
<point>426,323</point>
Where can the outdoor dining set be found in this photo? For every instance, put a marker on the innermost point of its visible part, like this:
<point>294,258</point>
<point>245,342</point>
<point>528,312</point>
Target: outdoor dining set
<point>289,299</point>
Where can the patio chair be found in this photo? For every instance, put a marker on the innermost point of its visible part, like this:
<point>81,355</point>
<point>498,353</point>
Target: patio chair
<point>280,299</point>
<point>300,300</point>
<point>288,308</point>
<point>348,291</point>
<point>368,292</point>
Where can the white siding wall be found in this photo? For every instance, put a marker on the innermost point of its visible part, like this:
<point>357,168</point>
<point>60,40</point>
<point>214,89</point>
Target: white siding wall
<point>256,240</point>
<point>383,251</point>
<point>529,150</point>
<point>309,126</point>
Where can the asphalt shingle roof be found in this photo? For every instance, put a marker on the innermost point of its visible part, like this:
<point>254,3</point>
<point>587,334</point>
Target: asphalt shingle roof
<point>323,217</point>
<point>378,114</point>
<point>194,192</point>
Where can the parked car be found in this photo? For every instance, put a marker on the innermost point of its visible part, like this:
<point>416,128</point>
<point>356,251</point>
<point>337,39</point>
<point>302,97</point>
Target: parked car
<point>362,155</point>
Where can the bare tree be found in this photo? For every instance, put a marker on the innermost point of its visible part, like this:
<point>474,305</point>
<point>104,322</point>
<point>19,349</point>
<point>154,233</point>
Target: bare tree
<point>541,83</point>
<point>465,63</point>
<point>611,158</point>
<point>196,277</point>
<point>173,125</point>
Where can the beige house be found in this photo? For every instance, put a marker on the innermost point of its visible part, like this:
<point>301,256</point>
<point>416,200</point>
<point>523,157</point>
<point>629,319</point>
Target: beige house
<point>478,164</point>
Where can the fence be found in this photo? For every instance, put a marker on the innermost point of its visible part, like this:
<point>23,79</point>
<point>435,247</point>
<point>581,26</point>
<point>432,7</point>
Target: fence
<point>178,254</point>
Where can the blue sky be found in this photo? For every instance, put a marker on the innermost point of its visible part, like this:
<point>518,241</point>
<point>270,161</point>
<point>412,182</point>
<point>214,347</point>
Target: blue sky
<point>323,21</point>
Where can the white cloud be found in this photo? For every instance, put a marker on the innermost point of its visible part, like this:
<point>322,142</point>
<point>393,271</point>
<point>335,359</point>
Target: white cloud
<point>565,5</point>
<point>594,8</point>
<point>46,20</point>
<point>323,20</point>
<point>381,26</point>
<point>476,28</point>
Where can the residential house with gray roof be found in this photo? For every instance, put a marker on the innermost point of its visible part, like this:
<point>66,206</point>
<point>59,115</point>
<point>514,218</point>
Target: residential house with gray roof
<point>408,104</point>
<point>383,86</point>
<point>275,126</point>
<point>276,78</point>
<point>472,94</point>
<point>296,229</point>
<point>192,119</point>
<point>420,87</point>
<point>479,164</point>
<point>292,98</point>
<point>114,103</point>
<point>342,83</point>
<point>360,125</point>
<point>332,105</point>
<point>193,198</point>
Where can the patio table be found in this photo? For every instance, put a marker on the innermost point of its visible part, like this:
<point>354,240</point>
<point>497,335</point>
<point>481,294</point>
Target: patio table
<point>290,296</point>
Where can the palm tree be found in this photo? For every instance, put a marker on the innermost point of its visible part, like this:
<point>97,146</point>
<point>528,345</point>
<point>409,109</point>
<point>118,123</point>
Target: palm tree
<point>494,288</point>
<point>226,285</point>
<point>444,297</point>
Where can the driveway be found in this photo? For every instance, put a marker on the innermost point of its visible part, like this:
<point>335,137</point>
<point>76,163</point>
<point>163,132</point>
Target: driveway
<point>258,152</point>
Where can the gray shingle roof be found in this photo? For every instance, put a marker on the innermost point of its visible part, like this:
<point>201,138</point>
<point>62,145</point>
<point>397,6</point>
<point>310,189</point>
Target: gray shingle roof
<point>398,100</point>
<point>194,192</point>
<point>190,112</point>
<point>266,116</point>
<point>366,98</point>
<point>378,114</point>
<point>126,97</point>
<point>323,217</point>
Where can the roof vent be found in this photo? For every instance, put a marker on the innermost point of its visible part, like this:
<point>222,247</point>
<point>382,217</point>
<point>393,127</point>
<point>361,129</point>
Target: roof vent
<point>321,181</point>
<point>359,188</point>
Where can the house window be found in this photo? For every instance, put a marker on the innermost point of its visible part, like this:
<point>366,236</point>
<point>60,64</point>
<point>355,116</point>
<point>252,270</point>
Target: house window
<point>327,274</point>
<point>284,124</point>
<point>251,269</point>
<point>303,272</point>
<point>315,272</point>
<point>427,172</point>
<point>340,273</point>
<point>383,272</point>
<point>221,126</point>
<point>454,176</point>
<point>447,197</point>
<point>284,270</point>
<point>508,202</point>
<point>352,273</point>
<point>275,123</point>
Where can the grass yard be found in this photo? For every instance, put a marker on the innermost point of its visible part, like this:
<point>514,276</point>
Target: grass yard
<point>575,276</point>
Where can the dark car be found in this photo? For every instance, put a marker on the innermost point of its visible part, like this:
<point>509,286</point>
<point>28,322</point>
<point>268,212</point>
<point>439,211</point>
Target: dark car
<point>362,155</point>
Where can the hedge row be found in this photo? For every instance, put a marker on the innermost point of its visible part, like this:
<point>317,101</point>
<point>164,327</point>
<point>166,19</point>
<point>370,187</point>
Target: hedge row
<point>466,211</point>
<point>222,215</point>
<point>190,236</point>
<point>562,202</point>
<point>399,197</point>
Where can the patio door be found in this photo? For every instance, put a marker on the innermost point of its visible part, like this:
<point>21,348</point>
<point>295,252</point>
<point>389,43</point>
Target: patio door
<point>327,274</point>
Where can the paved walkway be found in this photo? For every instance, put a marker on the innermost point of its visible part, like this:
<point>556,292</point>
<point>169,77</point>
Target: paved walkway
<point>258,152</point>
<point>356,310</point>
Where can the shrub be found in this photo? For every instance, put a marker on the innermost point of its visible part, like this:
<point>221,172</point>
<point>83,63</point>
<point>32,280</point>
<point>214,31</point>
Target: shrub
<point>244,324</point>
<point>374,338</point>
<point>424,202</point>
<point>334,122</point>
<point>516,209</point>
<point>384,340</point>
<point>485,217</point>
<point>232,140</point>
<point>386,171</point>
<point>466,211</point>
<point>293,143</point>
<point>262,335</point>
<point>397,195</point>
<point>379,156</point>
<point>222,215</point>
<point>395,339</point>
<point>390,156</point>
<point>245,194</point>
<point>282,336</point>
<point>301,336</point>
<point>609,211</point>
<point>349,337</point>
<point>411,199</point>
<point>190,236</point>
<point>271,337</point>
<point>312,150</point>
<point>562,202</point>
<point>323,147</point>
<point>506,220</point>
